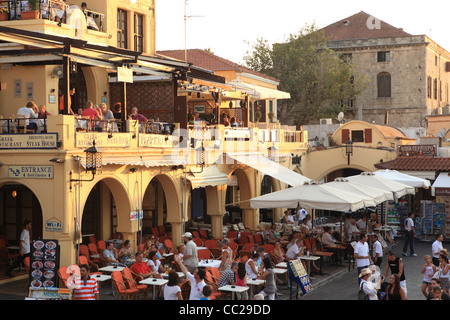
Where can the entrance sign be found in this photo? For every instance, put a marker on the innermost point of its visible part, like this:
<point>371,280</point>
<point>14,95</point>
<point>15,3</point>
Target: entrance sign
<point>30,172</point>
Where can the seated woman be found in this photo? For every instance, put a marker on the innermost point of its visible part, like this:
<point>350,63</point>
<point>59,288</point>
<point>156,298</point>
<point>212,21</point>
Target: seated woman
<point>327,238</point>
<point>278,253</point>
<point>43,113</point>
<point>125,253</point>
<point>155,265</point>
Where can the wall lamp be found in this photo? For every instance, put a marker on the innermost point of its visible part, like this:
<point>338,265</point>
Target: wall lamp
<point>93,162</point>
<point>57,160</point>
<point>133,170</point>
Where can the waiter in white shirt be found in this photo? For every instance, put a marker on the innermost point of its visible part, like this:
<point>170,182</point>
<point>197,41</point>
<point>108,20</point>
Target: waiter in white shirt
<point>436,248</point>
<point>410,234</point>
<point>24,244</point>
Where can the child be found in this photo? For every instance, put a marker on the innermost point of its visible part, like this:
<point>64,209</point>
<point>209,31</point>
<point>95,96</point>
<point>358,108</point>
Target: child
<point>207,291</point>
<point>241,281</point>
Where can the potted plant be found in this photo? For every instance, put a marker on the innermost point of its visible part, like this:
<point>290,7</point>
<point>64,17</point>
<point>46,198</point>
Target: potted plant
<point>4,14</point>
<point>34,10</point>
<point>258,115</point>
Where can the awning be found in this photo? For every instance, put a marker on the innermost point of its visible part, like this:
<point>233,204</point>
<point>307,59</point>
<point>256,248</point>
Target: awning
<point>259,92</point>
<point>270,168</point>
<point>441,186</point>
<point>210,176</point>
<point>147,161</point>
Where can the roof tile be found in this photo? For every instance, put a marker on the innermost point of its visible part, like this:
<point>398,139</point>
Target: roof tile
<point>416,164</point>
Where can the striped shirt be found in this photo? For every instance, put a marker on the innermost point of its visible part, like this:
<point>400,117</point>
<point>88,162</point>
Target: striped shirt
<point>85,290</point>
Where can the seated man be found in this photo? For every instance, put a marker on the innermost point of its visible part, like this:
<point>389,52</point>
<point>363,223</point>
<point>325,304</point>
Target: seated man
<point>139,267</point>
<point>136,116</point>
<point>30,111</point>
<point>327,238</point>
<point>227,277</point>
<point>110,255</point>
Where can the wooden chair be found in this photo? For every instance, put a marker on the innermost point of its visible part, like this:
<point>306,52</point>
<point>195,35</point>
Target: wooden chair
<point>248,246</point>
<point>93,267</point>
<point>122,291</point>
<point>92,239</point>
<point>232,234</point>
<point>216,294</point>
<point>250,238</point>
<point>216,252</point>
<point>161,230</point>
<point>63,275</point>
<point>268,247</point>
<point>203,234</point>
<point>233,245</point>
<point>195,234</point>
<point>258,238</point>
<point>215,273</point>
<point>155,231</point>
<point>5,255</point>
<point>132,284</point>
<point>92,248</point>
<point>210,244</point>
<point>101,245</point>
<point>243,253</point>
<point>185,287</point>
<point>169,245</point>
<point>198,242</point>
<point>204,254</point>
<point>244,237</point>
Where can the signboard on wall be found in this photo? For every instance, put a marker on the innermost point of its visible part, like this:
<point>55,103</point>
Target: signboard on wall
<point>29,141</point>
<point>30,172</point>
<point>124,75</point>
<point>417,151</point>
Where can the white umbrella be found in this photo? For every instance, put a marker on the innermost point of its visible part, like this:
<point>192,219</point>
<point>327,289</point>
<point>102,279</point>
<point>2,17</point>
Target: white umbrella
<point>313,195</point>
<point>403,178</point>
<point>378,195</point>
<point>372,180</point>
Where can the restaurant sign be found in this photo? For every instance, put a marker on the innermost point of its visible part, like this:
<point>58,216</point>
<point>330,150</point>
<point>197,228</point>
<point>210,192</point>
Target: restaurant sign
<point>102,140</point>
<point>417,151</point>
<point>29,141</point>
<point>157,141</point>
<point>30,172</point>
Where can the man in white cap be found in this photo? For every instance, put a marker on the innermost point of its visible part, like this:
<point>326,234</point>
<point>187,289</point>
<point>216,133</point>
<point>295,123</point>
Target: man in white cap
<point>190,258</point>
<point>367,286</point>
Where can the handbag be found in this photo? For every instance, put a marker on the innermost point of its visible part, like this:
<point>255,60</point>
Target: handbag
<point>361,294</point>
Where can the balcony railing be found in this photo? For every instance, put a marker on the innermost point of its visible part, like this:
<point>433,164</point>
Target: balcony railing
<point>51,10</point>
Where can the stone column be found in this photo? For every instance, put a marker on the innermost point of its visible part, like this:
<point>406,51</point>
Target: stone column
<point>250,218</point>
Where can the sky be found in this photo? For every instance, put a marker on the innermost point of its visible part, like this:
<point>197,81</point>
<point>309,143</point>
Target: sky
<point>230,28</point>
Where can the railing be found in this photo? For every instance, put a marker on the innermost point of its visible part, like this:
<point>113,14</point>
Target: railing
<point>53,11</point>
<point>23,125</point>
<point>85,124</point>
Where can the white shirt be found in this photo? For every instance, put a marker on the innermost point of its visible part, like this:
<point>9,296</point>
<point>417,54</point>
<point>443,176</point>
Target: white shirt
<point>170,292</point>
<point>25,238</point>
<point>409,223</point>
<point>362,249</point>
<point>150,263</point>
<point>290,218</point>
<point>249,270</point>
<point>369,289</point>
<point>361,224</point>
<point>328,239</point>
<point>196,288</point>
<point>293,252</point>
<point>436,247</point>
<point>191,250</point>
<point>27,112</point>
<point>301,214</point>
<point>377,248</point>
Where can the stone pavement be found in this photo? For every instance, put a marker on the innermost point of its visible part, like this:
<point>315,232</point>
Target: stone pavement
<point>337,284</point>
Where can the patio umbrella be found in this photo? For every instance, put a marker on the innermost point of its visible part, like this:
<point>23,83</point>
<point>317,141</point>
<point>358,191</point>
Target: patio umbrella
<point>313,195</point>
<point>403,178</point>
<point>371,180</point>
<point>378,195</point>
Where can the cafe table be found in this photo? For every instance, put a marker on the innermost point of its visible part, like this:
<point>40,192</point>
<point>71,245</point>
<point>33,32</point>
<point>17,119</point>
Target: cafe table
<point>233,289</point>
<point>154,282</point>
<point>337,247</point>
<point>211,263</point>
<point>384,229</point>
<point>112,269</point>
<point>254,282</point>
<point>101,278</point>
<point>309,259</point>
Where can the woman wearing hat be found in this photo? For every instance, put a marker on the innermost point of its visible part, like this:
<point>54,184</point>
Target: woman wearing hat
<point>368,286</point>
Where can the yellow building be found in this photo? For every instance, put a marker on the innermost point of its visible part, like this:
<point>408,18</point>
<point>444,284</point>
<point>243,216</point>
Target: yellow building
<point>164,169</point>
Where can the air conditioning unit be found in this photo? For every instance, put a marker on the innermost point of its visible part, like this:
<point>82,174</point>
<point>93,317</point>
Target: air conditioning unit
<point>326,121</point>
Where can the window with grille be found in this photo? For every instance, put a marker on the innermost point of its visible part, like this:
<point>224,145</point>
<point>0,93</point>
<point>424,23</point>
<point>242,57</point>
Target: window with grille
<point>435,91</point>
<point>122,29</point>
<point>429,87</point>
<point>384,85</point>
<point>138,32</point>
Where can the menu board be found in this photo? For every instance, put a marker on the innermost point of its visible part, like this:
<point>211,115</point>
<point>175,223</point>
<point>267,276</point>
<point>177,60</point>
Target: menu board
<point>44,264</point>
<point>298,274</point>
